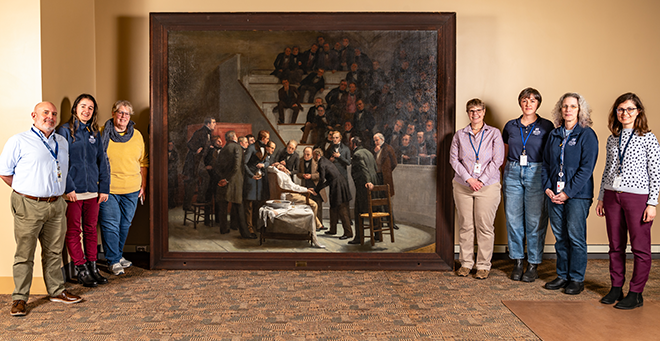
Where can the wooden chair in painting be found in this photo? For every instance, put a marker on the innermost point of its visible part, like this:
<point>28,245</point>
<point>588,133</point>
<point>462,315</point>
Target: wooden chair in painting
<point>379,219</point>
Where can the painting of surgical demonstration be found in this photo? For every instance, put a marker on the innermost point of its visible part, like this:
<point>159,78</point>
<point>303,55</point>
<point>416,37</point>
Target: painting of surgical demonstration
<point>302,141</point>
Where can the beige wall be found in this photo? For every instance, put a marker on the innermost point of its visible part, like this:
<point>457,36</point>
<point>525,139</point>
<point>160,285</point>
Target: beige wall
<point>20,90</point>
<point>502,46</point>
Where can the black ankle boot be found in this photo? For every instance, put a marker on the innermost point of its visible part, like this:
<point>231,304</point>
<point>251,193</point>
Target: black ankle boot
<point>517,272</point>
<point>94,271</point>
<point>632,301</point>
<point>531,274</point>
<point>615,294</point>
<point>85,277</point>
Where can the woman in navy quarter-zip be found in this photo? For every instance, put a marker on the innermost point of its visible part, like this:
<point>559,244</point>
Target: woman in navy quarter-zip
<point>568,165</point>
<point>87,185</point>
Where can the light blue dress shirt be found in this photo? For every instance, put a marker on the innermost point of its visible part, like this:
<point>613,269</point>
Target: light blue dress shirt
<point>35,170</point>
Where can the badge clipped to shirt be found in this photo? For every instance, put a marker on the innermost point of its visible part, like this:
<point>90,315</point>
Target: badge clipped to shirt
<point>477,168</point>
<point>617,181</point>
<point>523,160</point>
<point>92,140</point>
<point>59,173</point>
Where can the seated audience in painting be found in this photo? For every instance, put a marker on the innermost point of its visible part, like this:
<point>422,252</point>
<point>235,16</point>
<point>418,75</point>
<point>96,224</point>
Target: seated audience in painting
<point>393,135</point>
<point>282,64</point>
<point>295,66</point>
<point>336,98</point>
<point>348,132</point>
<point>289,157</point>
<point>288,99</point>
<point>362,60</point>
<point>375,79</point>
<point>312,84</point>
<point>351,102</point>
<point>357,76</point>
<point>327,59</point>
<point>346,54</point>
<point>407,152</point>
<point>310,57</point>
<point>311,119</point>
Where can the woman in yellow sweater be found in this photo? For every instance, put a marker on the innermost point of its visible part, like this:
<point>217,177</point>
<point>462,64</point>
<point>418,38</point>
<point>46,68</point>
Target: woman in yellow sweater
<point>128,162</point>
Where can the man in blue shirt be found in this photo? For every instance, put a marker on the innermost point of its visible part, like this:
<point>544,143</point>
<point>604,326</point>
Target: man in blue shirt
<point>34,164</point>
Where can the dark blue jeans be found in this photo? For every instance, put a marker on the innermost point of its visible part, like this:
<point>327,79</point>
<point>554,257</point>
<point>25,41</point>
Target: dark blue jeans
<point>569,225</point>
<point>116,216</point>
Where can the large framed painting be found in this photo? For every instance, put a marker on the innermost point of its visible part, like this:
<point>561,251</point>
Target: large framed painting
<point>250,110</point>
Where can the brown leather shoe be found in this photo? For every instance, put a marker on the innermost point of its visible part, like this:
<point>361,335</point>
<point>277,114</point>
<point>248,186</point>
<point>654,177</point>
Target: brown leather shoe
<point>18,308</point>
<point>66,298</point>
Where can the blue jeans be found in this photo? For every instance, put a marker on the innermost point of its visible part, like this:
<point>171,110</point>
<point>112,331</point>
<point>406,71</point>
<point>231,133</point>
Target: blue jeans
<point>569,225</point>
<point>525,210</point>
<point>115,216</point>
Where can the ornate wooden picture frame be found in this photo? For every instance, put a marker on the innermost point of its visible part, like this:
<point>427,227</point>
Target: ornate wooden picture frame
<point>168,32</point>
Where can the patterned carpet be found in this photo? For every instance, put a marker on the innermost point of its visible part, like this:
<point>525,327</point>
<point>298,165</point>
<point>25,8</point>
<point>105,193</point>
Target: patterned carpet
<point>297,305</point>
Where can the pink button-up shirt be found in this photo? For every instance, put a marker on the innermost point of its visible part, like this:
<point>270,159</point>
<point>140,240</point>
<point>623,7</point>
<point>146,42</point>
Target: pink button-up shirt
<point>491,155</point>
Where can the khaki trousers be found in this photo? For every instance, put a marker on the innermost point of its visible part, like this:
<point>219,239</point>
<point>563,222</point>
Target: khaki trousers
<point>37,220</point>
<point>476,213</point>
<point>301,199</point>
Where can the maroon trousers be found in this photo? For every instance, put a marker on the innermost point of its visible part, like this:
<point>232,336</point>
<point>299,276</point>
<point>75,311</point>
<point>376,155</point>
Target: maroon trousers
<point>87,213</point>
<point>624,213</point>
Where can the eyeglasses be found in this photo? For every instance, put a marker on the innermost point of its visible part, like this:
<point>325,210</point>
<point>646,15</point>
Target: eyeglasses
<point>630,111</point>
<point>572,106</point>
<point>475,111</point>
<point>122,113</point>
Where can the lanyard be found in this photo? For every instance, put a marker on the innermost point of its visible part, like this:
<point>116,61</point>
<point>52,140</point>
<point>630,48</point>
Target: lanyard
<point>623,154</point>
<point>476,151</point>
<point>57,146</point>
<point>522,136</point>
<point>561,157</point>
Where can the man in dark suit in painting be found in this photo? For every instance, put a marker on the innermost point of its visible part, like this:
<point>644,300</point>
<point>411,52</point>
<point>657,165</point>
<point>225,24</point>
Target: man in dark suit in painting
<point>289,98</point>
<point>228,167</point>
<point>339,197</point>
<point>256,190</point>
<point>363,171</point>
<point>282,64</point>
<point>197,147</point>
<point>289,157</point>
<point>309,177</point>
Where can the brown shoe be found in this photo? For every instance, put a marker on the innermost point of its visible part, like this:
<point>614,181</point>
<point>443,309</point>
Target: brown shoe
<point>66,298</point>
<point>18,308</point>
<point>463,272</point>
<point>482,274</point>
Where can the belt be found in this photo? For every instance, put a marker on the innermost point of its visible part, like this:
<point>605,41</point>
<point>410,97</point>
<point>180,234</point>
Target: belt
<point>47,199</point>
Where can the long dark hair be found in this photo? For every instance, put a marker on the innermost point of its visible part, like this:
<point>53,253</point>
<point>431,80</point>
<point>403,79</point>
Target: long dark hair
<point>74,120</point>
<point>640,127</point>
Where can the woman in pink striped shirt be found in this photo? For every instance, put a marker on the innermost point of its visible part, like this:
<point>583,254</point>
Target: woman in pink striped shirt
<point>476,154</point>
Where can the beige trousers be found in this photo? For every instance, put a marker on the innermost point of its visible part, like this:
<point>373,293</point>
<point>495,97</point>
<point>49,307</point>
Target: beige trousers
<point>301,200</point>
<point>476,213</point>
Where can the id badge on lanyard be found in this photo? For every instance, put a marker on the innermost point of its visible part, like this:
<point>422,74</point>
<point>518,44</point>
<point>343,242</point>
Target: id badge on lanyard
<point>523,156</point>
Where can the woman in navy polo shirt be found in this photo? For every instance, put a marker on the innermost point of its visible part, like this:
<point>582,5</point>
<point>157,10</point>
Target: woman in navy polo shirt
<point>568,165</point>
<point>524,200</point>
